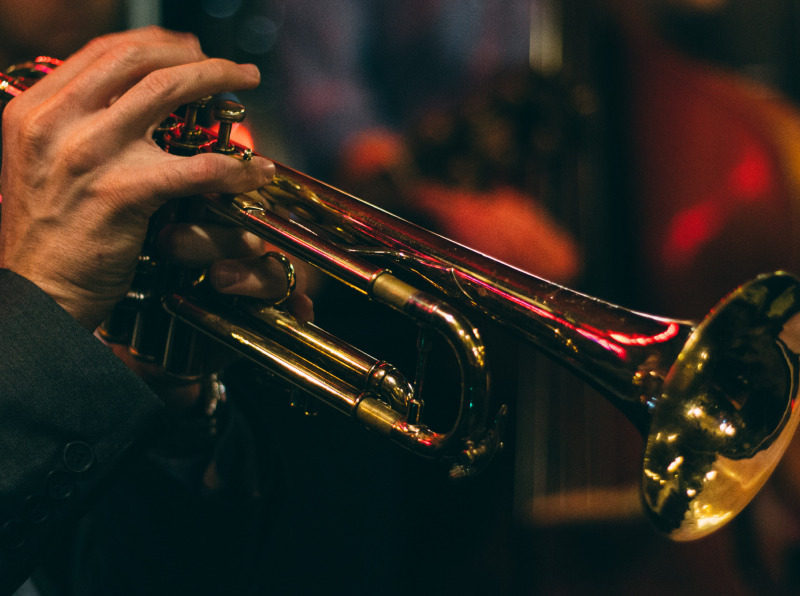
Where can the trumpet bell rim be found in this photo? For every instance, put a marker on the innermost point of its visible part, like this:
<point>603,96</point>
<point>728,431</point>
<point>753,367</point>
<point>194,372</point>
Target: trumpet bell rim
<point>727,410</point>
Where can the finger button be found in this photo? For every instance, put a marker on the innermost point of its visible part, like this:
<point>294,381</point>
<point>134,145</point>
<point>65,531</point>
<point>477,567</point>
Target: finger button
<point>78,457</point>
<point>59,486</point>
<point>36,509</point>
<point>227,113</point>
<point>13,534</point>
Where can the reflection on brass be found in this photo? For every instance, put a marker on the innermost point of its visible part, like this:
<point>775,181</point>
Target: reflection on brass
<point>713,400</point>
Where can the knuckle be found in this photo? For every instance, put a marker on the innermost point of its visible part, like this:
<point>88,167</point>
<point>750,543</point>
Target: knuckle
<point>142,35</point>
<point>76,159</point>
<point>124,54</point>
<point>102,43</point>
<point>12,114</point>
<point>168,36</point>
<point>133,52</point>
<point>193,43</point>
<point>151,30</point>
<point>80,153</point>
<point>219,66</point>
<point>29,127</point>
<point>209,169</point>
<point>161,83</point>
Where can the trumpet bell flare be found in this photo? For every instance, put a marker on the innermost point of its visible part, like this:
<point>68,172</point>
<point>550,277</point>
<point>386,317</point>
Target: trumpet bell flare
<point>727,413</point>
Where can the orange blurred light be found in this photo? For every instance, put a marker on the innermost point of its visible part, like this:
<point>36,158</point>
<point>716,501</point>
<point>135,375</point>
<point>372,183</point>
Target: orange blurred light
<point>239,134</point>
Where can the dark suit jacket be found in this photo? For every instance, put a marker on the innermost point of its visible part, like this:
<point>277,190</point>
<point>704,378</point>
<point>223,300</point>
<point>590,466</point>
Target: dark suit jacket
<point>69,412</point>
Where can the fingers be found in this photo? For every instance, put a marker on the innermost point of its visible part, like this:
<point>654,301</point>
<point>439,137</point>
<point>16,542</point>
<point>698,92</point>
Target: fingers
<point>162,91</point>
<point>85,174</point>
<point>147,181</point>
<point>240,263</point>
<point>89,55</point>
<point>202,173</point>
<point>144,75</point>
<point>301,306</point>
<point>197,245</point>
<point>116,55</point>
<point>260,277</point>
<point>269,277</point>
<point>122,67</point>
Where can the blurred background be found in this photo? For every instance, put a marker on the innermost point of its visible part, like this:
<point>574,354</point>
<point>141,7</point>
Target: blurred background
<point>642,151</point>
<point>651,146</point>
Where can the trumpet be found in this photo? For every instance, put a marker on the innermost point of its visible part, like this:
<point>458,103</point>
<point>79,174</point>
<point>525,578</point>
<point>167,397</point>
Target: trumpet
<point>713,400</point>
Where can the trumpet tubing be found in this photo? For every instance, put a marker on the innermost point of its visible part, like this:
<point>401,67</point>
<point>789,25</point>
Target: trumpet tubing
<point>714,400</point>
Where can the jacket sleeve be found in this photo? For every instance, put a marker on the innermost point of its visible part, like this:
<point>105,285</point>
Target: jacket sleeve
<point>69,412</point>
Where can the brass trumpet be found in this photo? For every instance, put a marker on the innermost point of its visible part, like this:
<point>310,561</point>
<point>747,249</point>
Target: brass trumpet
<point>713,400</point>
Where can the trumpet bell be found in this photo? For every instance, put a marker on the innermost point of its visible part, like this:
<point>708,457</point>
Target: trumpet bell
<point>726,413</point>
<point>713,401</point>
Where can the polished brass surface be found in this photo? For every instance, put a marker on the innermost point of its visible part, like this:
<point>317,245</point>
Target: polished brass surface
<point>726,412</point>
<point>227,113</point>
<point>714,400</point>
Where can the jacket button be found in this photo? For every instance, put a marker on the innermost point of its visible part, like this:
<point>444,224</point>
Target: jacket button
<point>59,486</point>
<point>78,457</point>
<point>35,510</point>
<point>12,534</point>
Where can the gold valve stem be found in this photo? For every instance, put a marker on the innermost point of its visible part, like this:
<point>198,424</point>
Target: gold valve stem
<point>227,113</point>
<point>190,129</point>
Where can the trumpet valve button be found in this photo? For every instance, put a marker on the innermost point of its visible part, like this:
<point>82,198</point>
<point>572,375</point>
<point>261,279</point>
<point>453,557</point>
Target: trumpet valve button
<point>227,113</point>
<point>190,130</point>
